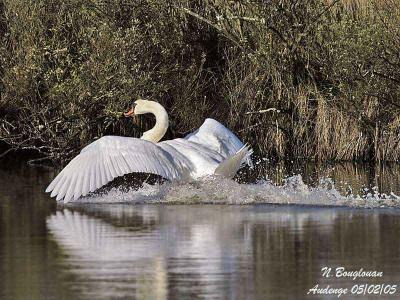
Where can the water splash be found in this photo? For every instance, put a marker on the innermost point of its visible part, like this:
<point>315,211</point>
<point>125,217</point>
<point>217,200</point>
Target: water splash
<point>226,191</point>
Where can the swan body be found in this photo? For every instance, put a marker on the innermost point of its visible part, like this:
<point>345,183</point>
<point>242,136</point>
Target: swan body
<point>211,149</point>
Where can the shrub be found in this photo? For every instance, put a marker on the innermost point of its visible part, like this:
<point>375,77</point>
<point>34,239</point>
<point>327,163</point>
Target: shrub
<point>306,79</point>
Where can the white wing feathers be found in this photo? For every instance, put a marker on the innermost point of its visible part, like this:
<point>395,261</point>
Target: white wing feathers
<point>217,137</point>
<point>229,167</point>
<point>110,157</point>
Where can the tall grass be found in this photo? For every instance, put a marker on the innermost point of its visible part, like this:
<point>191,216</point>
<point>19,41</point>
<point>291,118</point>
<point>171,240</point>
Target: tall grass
<point>312,79</point>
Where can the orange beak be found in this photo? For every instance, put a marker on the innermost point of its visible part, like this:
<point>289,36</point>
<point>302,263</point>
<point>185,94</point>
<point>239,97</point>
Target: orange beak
<point>130,113</point>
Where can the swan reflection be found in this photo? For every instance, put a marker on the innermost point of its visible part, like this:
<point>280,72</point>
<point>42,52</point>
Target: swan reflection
<point>109,260</point>
<point>157,251</point>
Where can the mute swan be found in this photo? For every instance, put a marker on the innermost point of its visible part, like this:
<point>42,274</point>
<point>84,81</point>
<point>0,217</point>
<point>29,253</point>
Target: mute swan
<point>211,149</point>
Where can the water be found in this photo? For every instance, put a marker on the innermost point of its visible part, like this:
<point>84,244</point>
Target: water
<point>144,248</point>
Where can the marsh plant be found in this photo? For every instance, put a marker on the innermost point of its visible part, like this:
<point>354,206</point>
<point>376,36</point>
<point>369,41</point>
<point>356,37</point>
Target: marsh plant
<point>310,79</point>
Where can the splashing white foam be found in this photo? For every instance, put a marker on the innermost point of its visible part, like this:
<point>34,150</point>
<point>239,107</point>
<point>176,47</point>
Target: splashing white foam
<point>226,191</point>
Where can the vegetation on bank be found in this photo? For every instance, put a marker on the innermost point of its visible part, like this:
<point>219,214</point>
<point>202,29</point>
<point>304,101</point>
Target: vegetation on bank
<point>310,79</point>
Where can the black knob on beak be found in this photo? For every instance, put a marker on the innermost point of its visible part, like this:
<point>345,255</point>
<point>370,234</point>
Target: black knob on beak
<point>131,112</point>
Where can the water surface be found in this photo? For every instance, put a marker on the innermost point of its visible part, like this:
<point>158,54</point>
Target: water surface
<point>182,251</point>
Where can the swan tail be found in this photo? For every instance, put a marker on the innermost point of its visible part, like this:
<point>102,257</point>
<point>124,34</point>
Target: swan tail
<point>229,166</point>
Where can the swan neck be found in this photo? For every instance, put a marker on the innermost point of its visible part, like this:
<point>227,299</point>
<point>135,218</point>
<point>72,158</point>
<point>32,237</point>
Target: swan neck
<point>158,131</point>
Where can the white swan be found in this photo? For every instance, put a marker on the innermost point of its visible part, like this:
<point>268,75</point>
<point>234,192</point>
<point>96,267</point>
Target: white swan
<point>212,149</point>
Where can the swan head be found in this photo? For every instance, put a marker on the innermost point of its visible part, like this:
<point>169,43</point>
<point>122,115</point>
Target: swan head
<point>141,107</point>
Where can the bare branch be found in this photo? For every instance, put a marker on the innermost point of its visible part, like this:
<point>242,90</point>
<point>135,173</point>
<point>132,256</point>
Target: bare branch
<point>263,111</point>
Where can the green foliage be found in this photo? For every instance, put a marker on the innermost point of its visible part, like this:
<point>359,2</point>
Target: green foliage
<point>311,79</point>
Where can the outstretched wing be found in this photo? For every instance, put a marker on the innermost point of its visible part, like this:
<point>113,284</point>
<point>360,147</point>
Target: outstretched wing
<point>107,158</point>
<point>217,137</point>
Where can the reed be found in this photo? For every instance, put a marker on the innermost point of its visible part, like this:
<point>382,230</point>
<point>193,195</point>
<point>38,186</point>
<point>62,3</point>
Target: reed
<point>312,79</point>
